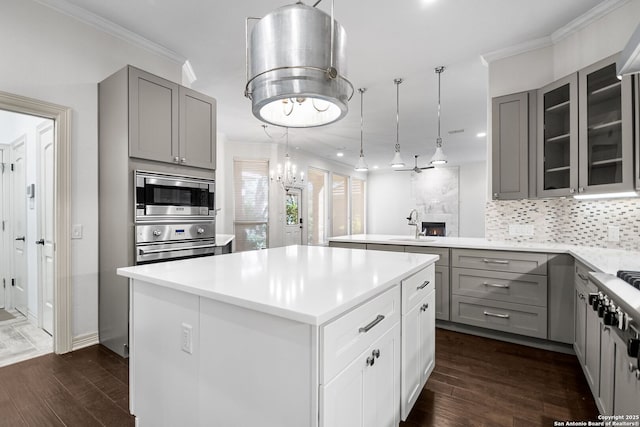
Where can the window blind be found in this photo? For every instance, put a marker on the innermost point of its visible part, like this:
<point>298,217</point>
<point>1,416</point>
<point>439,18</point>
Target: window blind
<point>251,191</point>
<point>357,206</point>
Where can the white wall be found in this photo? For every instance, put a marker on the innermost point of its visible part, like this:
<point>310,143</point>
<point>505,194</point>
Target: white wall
<point>273,152</point>
<point>390,201</point>
<point>52,57</point>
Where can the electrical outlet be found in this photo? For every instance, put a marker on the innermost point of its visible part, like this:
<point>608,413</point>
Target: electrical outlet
<point>613,233</point>
<point>187,338</point>
<point>520,230</point>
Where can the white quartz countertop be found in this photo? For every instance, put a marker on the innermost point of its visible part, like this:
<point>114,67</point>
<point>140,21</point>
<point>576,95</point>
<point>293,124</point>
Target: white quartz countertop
<point>597,259</point>
<point>309,284</point>
<point>223,239</point>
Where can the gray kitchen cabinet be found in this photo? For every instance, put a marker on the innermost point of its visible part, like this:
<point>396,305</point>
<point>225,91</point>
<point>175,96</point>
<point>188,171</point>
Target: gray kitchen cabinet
<point>605,129</point>
<point>197,129</point>
<point>441,278</point>
<point>608,351</point>
<point>592,350</point>
<point>561,306</point>
<point>514,262</point>
<point>626,385</point>
<point>170,123</point>
<point>153,117</point>
<point>513,136</point>
<point>637,128</point>
<point>580,323</point>
<point>348,245</point>
<point>388,248</point>
<point>557,147</point>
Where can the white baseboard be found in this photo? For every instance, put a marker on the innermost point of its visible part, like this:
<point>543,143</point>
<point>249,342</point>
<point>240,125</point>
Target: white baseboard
<point>32,318</point>
<point>86,340</point>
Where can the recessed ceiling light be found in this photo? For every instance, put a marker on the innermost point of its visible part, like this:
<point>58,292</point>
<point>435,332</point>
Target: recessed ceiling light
<point>339,154</point>
<point>481,134</point>
<point>375,167</point>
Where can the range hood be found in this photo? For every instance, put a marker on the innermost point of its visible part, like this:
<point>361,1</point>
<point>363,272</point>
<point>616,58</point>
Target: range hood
<point>629,61</point>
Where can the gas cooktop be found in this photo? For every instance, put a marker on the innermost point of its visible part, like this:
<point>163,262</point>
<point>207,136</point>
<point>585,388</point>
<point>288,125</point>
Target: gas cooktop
<point>631,277</point>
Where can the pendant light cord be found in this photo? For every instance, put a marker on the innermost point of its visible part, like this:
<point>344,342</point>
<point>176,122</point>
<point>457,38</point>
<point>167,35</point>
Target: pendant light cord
<point>362,91</point>
<point>397,82</point>
<point>439,71</point>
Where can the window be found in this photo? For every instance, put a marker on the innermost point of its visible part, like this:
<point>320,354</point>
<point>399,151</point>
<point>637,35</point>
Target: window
<point>340,209</point>
<point>357,206</point>
<point>317,183</point>
<point>251,190</point>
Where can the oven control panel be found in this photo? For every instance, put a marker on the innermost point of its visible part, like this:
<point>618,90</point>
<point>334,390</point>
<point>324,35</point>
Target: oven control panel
<point>152,233</point>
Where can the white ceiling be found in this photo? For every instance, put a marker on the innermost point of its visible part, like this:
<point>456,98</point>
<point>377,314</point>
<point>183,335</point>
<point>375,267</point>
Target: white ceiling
<point>385,40</point>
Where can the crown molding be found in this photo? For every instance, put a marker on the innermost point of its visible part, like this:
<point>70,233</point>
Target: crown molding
<point>517,49</point>
<point>582,21</point>
<point>111,28</point>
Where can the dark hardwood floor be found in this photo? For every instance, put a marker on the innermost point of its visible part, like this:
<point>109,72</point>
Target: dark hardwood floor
<point>476,382</point>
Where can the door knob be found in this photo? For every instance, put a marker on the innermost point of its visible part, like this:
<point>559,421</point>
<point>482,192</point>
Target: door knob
<point>20,238</point>
<point>40,242</point>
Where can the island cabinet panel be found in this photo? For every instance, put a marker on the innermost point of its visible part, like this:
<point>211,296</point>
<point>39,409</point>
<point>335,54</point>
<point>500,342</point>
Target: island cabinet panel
<point>365,393</point>
<point>416,286</point>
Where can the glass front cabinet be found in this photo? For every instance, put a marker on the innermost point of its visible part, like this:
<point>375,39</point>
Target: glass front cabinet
<point>585,133</point>
<point>605,129</point>
<point>558,138</point>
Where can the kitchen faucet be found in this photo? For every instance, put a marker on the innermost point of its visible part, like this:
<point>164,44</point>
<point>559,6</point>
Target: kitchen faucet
<point>413,220</point>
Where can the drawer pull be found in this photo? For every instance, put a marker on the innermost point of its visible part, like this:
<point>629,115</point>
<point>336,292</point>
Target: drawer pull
<point>373,323</point>
<point>584,278</point>
<point>424,285</point>
<point>501,316</point>
<point>497,285</point>
<point>495,261</point>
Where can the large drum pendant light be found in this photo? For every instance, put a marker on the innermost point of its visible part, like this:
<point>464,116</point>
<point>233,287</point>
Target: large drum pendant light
<point>296,67</point>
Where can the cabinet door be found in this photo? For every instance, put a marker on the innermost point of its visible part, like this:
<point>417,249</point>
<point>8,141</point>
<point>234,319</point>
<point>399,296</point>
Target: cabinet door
<point>510,146</point>
<point>607,364</point>
<point>418,350</point>
<point>627,386</point>
<point>153,117</point>
<point>557,148</point>
<point>442,292</point>
<point>580,323</point>
<point>197,129</point>
<point>592,350</point>
<point>366,394</point>
<point>428,337</point>
<point>606,129</point>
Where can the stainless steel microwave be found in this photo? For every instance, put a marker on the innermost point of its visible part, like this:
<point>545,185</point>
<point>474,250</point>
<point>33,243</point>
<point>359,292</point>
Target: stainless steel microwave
<point>160,196</point>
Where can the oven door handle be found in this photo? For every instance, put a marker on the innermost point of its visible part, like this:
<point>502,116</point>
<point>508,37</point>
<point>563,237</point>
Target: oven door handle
<point>179,182</point>
<point>188,248</point>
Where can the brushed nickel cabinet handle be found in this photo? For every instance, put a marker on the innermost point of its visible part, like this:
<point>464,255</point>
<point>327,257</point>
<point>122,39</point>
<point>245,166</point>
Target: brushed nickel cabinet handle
<point>584,278</point>
<point>424,285</point>
<point>373,323</point>
<point>495,261</point>
<point>496,285</point>
<point>501,316</point>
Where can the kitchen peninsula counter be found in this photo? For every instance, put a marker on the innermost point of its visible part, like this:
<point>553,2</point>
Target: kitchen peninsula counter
<point>257,336</point>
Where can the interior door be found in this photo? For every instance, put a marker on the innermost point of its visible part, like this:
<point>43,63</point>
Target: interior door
<point>18,226</point>
<point>293,217</point>
<point>4,259</point>
<point>46,222</point>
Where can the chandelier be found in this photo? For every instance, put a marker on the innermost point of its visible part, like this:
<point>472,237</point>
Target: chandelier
<point>286,174</point>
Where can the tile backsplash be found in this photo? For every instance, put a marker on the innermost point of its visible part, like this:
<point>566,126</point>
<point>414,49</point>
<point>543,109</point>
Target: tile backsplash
<point>570,221</point>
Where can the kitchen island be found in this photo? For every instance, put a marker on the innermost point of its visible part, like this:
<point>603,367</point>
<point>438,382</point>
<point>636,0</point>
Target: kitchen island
<point>293,336</point>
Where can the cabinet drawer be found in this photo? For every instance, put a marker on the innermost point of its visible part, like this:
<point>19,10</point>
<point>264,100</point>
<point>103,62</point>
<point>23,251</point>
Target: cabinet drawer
<point>502,316</point>
<point>582,277</point>
<point>443,253</point>
<point>501,286</point>
<point>345,338</point>
<point>515,262</point>
<point>388,248</point>
<point>415,287</point>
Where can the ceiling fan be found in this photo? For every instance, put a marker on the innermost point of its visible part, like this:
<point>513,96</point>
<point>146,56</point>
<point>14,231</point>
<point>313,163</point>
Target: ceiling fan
<point>416,169</point>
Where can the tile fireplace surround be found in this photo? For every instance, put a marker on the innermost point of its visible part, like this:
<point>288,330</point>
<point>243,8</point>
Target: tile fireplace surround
<point>570,221</point>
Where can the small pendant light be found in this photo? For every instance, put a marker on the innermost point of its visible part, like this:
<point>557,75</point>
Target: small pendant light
<point>361,166</point>
<point>439,158</point>
<point>397,159</point>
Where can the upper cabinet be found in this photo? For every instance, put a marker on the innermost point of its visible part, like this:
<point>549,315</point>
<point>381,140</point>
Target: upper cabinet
<point>513,126</point>
<point>557,148</point>
<point>170,123</point>
<point>605,129</point>
<point>637,128</point>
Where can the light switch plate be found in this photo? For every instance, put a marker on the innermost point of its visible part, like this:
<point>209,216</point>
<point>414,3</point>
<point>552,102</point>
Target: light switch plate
<point>76,231</point>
